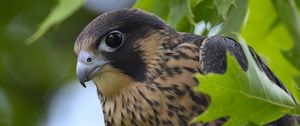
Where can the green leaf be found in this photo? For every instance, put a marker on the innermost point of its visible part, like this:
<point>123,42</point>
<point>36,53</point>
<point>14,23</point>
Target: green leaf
<point>206,11</point>
<point>297,81</point>
<point>243,96</point>
<point>289,15</point>
<point>177,13</point>
<point>223,6</point>
<point>269,38</point>
<point>158,7</point>
<point>180,9</point>
<point>59,13</point>
<point>235,17</point>
<point>195,2</point>
<point>235,20</point>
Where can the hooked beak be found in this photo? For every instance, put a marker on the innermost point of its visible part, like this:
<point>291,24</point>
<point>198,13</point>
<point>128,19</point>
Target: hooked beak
<point>88,66</point>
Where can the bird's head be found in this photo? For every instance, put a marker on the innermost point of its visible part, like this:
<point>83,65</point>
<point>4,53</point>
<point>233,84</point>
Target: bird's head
<point>119,47</point>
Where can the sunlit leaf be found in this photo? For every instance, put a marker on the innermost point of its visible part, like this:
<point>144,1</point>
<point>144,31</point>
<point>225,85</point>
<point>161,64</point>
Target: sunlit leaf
<point>61,11</point>
<point>270,40</point>
<point>244,96</point>
<point>289,15</point>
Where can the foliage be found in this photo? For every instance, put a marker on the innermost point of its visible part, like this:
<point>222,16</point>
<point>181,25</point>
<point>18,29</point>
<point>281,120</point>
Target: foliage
<point>261,25</point>
<point>242,98</point>
<point>58,14</point>
<point>271,31</point>
<point>292,23</point>
<point>31,74</point>
<point>271,27</point>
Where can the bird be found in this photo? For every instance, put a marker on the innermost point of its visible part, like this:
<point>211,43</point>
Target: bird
<point>144,70</point>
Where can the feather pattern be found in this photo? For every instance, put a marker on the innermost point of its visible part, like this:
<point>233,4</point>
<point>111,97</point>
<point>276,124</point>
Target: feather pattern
<point>151,77</point>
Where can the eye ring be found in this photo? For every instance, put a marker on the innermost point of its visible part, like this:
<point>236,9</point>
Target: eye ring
<point>112,41</point>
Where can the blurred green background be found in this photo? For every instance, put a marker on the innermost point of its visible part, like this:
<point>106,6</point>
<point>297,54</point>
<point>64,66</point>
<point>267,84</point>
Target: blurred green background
<point>31,74</point>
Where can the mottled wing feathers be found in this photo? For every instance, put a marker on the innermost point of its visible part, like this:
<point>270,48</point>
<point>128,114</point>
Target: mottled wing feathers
<point>213,54</point>
<point>213,57</point>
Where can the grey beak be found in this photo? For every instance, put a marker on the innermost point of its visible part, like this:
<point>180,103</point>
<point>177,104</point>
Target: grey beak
<point>88,66</point>
<point>83,72</point>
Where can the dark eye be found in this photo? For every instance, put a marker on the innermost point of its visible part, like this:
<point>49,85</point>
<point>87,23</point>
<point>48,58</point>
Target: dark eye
<point>114,39</point>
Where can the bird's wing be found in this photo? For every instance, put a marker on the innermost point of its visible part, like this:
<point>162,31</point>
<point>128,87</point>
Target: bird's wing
<point>213,57</point>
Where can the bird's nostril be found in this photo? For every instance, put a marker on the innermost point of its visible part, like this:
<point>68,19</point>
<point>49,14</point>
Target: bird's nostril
<point>89,60</point>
